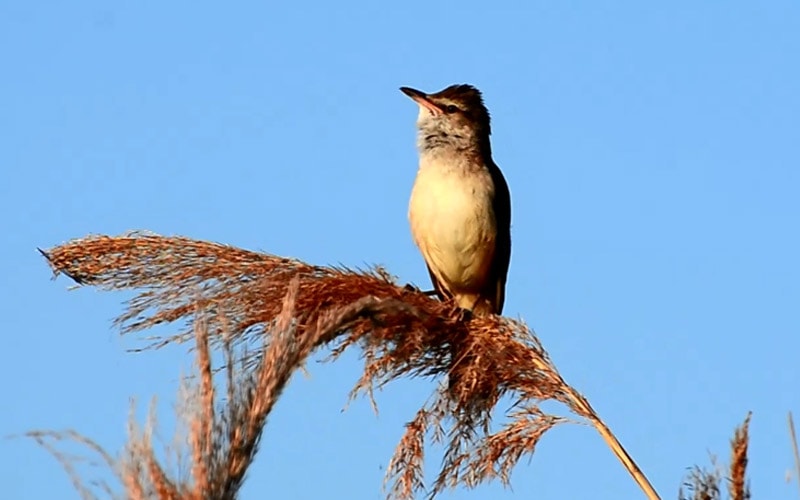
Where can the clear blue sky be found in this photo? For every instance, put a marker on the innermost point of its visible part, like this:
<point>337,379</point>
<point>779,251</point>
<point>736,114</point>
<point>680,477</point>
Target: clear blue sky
<point>652,152</point>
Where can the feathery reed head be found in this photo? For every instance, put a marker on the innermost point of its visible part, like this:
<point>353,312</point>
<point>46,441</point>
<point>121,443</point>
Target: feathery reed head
<point>241,296</point>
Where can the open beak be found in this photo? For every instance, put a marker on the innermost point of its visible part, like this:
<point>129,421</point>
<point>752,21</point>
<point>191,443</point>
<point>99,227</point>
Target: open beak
<point>422,99</point>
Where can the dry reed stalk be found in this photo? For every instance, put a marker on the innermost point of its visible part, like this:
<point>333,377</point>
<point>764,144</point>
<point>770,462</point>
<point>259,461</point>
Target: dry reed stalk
<point>401,331</point>
<point>793,437</point>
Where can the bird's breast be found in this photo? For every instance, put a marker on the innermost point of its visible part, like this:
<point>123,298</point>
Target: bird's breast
<point>453,221</point>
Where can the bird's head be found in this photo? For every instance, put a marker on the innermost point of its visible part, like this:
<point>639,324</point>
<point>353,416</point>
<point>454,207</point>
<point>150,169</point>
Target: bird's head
<point>457,112</point>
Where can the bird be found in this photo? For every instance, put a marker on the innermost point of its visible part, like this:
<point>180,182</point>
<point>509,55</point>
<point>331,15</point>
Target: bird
<point>460,205</point>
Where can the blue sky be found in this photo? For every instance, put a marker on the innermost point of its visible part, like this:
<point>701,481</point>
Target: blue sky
<point>652,153</point>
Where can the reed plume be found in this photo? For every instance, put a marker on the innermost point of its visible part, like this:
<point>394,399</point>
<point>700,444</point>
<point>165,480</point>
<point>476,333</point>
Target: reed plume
<point>244,298</point>
<point>707,484</point>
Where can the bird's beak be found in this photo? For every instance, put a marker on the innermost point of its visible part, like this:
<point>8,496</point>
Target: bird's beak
<point>422,99</point>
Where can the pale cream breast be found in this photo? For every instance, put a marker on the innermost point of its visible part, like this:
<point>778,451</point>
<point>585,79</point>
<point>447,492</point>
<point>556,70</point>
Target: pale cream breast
<point>453,222</point>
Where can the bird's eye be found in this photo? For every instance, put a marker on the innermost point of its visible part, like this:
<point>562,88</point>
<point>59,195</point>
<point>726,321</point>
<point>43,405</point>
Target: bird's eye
<point>451,108</point>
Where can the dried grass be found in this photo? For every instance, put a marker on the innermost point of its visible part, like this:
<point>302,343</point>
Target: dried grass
<point>222,439</point>
<point>738,489</point>
<point>706,484</point>
<point>244,297</point>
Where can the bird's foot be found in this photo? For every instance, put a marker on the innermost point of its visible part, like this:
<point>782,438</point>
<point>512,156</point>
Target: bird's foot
<point>461,314</point>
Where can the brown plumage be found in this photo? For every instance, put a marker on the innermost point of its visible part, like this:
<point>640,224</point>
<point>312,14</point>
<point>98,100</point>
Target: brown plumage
<point>460,206</point>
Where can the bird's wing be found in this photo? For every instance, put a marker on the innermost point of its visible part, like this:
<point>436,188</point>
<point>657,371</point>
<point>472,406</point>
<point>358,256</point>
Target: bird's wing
<point>502,250</point>
<point>441,292</point>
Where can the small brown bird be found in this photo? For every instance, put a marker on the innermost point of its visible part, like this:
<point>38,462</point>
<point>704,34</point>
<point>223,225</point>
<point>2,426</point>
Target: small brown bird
<point>460,207</point>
